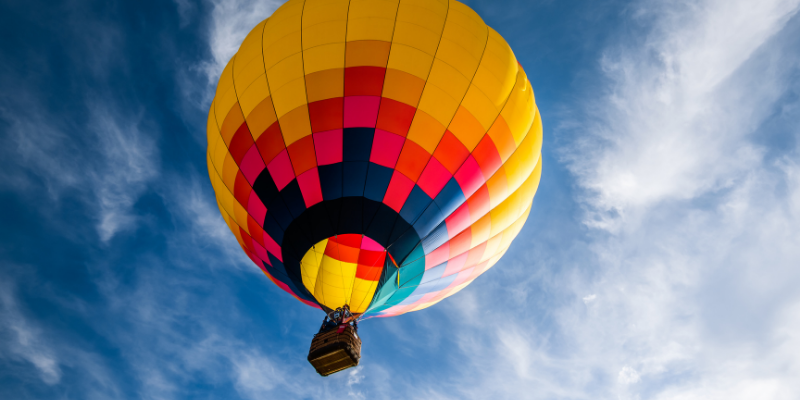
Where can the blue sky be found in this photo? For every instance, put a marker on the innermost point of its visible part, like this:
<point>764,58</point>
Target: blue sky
<point>660,260</point>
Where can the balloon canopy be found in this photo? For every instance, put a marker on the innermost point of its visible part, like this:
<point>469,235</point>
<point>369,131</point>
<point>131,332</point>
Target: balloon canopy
<point>379,154</point>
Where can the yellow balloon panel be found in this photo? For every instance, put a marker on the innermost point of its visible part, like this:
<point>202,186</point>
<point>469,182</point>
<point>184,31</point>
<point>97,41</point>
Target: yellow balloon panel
<point>343,270</point>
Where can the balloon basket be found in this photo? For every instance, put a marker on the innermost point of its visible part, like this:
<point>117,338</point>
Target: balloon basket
<point>335,350</point>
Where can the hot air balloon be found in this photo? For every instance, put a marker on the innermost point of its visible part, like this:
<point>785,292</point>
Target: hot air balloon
<point>373,157</point>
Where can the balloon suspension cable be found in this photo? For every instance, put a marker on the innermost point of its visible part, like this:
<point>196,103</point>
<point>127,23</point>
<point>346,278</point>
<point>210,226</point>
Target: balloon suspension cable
<point>396,266</point>
<point>341,314</point>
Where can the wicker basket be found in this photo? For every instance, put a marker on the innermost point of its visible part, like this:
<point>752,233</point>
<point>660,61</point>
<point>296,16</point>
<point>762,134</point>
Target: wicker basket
<point>335,350</point>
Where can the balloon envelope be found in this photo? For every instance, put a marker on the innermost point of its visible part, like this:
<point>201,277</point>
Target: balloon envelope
<point>379,154</point>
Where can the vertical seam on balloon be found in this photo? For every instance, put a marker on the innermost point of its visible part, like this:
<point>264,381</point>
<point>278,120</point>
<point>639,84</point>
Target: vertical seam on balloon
<point>441,36</point>
<point>305,89</point>
<point>339,213</point>
<point>319,273</point>
<point>297,177</point>
<point>302,61</point>
<point>376,282</point>
<point>302,12</point>
<point>380,98</point>
<point>380,101</point>
<point>353,283</point>
<point>341,268</point>
<point>373,265</point>
<point>304,267</point>
<point>334,224</point>
<point>380,279</point>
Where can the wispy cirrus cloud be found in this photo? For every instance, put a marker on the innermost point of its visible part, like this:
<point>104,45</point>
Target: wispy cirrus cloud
<point>106,161</point>
<point>230,22</point>
<point>698,230</point>
<point>676,118</point>
<point>128,161</point>
<point>90,141</point>
<point>38,353</point>
<point>21,340</point>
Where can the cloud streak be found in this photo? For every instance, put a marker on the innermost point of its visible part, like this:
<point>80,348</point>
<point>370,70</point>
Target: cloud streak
<point>109,168</point>
<point>675,119</point>
<point>697,227</point>
<point>21,340</point>
<point>129,161</point>
<point>230,22</point>
<point>98,147</point>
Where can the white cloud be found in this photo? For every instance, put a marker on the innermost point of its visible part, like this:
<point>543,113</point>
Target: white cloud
<point>96,148</point>
<point>354,378</point>
<point>127,161</point>
<point>188,201</point>
<point>20,339</point>
<point>108,167</point>
<point>590,298</point>
<point>230,22</point>
<point>701,227</point>
<point>255,375</point>
<point>185,10</point>
<point>674,122</point>
<point>35,144</point>
<point>628,375</point>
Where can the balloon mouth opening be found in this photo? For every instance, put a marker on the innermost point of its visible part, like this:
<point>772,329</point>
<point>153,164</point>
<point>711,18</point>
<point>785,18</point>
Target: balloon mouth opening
<point>344,270</point>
